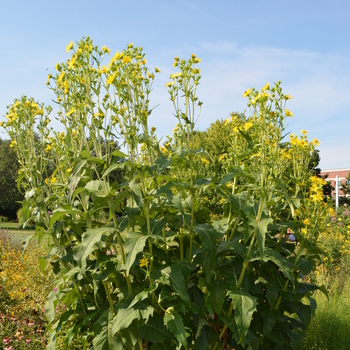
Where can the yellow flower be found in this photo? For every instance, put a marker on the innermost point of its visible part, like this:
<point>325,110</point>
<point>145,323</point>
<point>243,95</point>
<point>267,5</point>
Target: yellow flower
<point>316,142</point>
<point>169,83</point>
<point>144,262</point>
<point>106,49</point>
<point>53,179</point>
<point>110,79</point>
<point>289,113</point>
<point>157,70</point>
<point>205,161</point>
<point>153,128</point>
<point>1,123</point>
<point>71,111</point>
<point>69,46</point>
<point>46,181</point>
<point>306,222</point>
<point>246,93</point>
<point>304,132</point>
<point>126,59</point>
<point>193,55</point>
<point>247,125</point>
<point>222,157</point>
<point>197,60</point>
<point>265,87</point>
<point>288,97</point>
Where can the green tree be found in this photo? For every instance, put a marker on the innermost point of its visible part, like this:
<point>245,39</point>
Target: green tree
<point>10,196</point>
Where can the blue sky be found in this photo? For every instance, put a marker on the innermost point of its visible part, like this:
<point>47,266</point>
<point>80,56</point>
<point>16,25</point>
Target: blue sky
<point>305,44</point>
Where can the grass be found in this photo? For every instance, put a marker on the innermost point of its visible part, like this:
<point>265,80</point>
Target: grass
<point>18,235</point>
<point>330,328</point>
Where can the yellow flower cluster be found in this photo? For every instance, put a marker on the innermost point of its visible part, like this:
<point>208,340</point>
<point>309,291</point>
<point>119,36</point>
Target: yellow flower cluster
<point>316,188</point>
<point>23,280</point>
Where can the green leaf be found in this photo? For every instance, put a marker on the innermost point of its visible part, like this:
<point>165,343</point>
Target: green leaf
<point>59,213</point>
<point>304,313</point>
<point>98,187</point>
<point>154,331</point>
<point>270,317</point>
<point>177,281</point>
<point>112,168</point>
<point>208,236</point>
<point>104,340</point>
<point>137,192</point>
<point>261,229</point>
<point>173,322</point>
<point>244,305</point>
<point>205,256</point>
<point>118,153</point>
<point>42,264</point>
<point>89,243</point>
<point>236,171</point>
<point>235,247</point>
<point>51,303</point>
<point>134,244</point>
<point>271,255</point>
<point>218,295</point>
<point>124,318</point>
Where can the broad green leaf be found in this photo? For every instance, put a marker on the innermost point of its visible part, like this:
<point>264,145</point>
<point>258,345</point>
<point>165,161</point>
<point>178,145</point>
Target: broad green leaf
<point>305,265</point>
<point>208,236</point>
<point>203,181</point>
<point>59,213</point>
<point>134,244</point>
<point>177,281</point>
<point>205,336</point>
<point>118,153</point>
<point>154,330</point>
<point>42,264</point>
<point>218,295</point>
<point>104,340</point>
<point>313,306</point>
<point>174,323</point>
<point>237,201</point>
<point>89,241</point>
<point>205,256</point>
<point>244,305</point>
<point>304,313</point>
<point>261,229</point>
<point>98,187</point>
<point>124,318</point>
<point>236,171</point>
<point>236,248</point>
<point>270,317</point>
<point>137,192</point>
<point>112,168</point>
<point>51,303</point>
<point>271,255</point>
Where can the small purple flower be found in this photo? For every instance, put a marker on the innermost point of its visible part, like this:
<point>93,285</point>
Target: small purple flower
<point>346,212</point>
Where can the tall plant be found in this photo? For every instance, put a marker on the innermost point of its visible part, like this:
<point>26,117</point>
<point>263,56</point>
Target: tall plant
<point>140,264</point>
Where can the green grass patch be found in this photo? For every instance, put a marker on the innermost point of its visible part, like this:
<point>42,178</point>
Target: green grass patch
<point>329,329</point>
<point>17,237</point>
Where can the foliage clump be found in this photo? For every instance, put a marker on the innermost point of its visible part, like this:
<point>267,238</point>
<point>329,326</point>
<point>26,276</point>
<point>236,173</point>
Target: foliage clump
<point>142,262</point>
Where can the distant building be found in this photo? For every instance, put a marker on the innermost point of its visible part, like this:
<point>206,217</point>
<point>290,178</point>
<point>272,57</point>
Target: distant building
<point>342,175</point>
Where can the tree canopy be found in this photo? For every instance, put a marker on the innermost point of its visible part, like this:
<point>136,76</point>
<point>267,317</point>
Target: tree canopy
<point>10,196</point>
